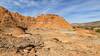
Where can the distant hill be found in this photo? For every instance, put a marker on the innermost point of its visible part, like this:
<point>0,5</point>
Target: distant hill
<point>95,24</point>
<point>90,25</point>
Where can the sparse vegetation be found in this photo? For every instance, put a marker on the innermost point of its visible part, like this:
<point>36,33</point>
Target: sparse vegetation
<point>95,26</point>
<point>98,30</point>
<point>91,28</point>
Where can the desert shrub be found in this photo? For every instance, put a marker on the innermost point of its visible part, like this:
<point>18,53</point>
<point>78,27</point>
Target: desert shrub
<point>87,27</point>
<point>92,28</point>
<point>98,30</point>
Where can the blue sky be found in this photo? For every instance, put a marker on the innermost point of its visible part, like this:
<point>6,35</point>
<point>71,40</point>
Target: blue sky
<point>74,11</point>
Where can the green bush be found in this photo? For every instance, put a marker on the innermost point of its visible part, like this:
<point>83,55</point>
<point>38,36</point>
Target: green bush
<point>98,30</point>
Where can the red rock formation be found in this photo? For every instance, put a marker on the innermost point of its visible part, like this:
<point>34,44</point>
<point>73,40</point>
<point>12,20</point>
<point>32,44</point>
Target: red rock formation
<point>22,21</point>
<point>5,18</point>
<point>8,23</point>
<point>51,21</point>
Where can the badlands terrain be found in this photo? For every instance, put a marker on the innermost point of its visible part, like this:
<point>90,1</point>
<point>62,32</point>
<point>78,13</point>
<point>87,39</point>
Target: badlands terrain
<point>44,35</point>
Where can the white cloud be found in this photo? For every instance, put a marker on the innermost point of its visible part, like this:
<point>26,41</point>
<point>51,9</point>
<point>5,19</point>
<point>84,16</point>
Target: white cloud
<point>17,3</point>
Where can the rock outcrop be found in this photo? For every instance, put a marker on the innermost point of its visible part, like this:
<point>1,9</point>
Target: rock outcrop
<point>45,35</point>
<point>51,21</point>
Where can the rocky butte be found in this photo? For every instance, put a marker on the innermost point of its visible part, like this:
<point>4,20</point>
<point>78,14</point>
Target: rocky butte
<point>44,35</point>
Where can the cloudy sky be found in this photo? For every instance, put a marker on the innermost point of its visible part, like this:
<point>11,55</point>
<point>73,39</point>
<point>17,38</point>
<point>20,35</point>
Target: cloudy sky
<point>72,10</point>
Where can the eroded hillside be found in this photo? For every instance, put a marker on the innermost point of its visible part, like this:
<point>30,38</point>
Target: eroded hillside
<point>45,35</point>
